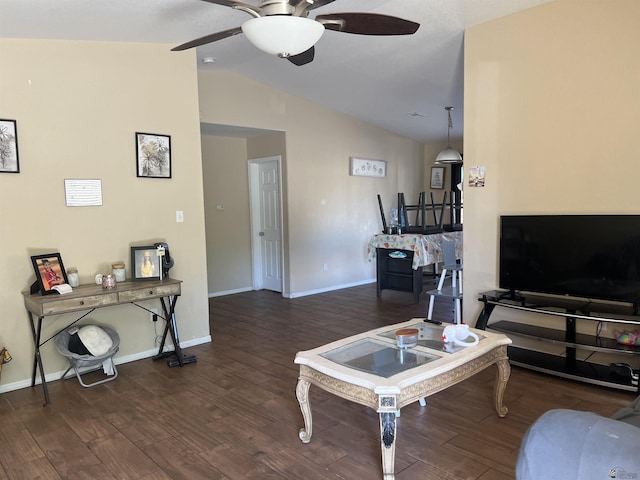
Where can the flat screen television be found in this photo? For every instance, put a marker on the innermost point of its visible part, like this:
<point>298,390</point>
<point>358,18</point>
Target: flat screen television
<point>588,256</point>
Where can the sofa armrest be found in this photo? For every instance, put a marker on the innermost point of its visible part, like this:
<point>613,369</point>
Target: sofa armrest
<point>630,414</point>
<point>568,444</point>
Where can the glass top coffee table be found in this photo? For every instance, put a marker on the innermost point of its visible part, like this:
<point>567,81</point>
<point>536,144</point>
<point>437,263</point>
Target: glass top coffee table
<point>371,370</point>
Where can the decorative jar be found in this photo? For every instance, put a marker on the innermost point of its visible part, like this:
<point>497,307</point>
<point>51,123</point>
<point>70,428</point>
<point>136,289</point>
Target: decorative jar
<point>407,337</point>
<point>117,269</point>
<point>72,276</point>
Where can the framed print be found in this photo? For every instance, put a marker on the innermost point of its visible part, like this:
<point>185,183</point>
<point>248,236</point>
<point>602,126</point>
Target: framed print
<point>437,177</point>
<point>153,155</point>
<point>9,162</point>
<point>145,263</point>
<point>49,272</point>
<point>361,167</point>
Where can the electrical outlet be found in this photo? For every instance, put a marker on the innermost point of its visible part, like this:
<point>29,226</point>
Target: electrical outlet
<point>153,314</point>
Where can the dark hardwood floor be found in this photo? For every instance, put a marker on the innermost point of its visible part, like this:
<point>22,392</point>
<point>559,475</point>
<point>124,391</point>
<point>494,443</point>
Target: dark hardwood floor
<point>234,414</point>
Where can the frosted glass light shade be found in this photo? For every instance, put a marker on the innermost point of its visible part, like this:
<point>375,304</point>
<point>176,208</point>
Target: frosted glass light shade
<point>283,35</point>
<point>448,155</point>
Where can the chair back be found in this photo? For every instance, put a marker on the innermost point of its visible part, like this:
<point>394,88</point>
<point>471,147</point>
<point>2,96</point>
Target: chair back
<point>449,252</point>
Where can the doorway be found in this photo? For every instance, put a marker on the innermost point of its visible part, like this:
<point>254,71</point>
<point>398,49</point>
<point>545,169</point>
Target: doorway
<point>265,194</point>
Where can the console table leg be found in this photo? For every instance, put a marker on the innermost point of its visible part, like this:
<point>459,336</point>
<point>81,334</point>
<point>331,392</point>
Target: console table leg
<point>171,327</point>
<point>302,394</point>
<point>502,377</point>
<point>37,359</point>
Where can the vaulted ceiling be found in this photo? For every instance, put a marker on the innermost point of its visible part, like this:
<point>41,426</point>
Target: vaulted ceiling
<point>400,83</point>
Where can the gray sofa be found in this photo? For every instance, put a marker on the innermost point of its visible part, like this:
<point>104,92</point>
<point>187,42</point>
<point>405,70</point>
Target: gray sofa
<point>573,445</point>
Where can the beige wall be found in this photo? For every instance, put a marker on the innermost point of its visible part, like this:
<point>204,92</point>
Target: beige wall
<point>330,215</point>
<point>78,106</point>
<point>225,179</point>
<point>225,182</point>
<point>552,110</point>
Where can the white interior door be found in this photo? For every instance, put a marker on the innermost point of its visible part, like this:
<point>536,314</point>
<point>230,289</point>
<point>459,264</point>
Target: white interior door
<point>266,223</point>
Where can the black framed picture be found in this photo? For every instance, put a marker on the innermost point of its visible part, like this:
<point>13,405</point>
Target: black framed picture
<point>153,153</point>
<point>145,263</point>
<point>437,177</point>
<point>49,271</point>
<point>9,162</point>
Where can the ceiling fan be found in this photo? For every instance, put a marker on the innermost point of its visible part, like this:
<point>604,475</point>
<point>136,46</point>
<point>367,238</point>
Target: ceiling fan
<point>282,27</point>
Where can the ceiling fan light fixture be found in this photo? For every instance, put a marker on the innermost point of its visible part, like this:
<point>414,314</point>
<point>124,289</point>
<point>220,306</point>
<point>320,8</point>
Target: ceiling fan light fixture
<point>449,155</point>
<point>283,35</point>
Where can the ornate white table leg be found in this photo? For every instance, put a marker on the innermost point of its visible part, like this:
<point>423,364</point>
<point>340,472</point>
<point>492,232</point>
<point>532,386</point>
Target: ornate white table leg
<point>387,411</point>
<point>502,377</point>
<point>302,394</point>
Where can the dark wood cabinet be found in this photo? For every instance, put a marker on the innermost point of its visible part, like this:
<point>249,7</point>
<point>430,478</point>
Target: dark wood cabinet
<point>397,273</point>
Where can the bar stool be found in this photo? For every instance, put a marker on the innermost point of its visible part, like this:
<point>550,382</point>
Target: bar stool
<point>454,291</point>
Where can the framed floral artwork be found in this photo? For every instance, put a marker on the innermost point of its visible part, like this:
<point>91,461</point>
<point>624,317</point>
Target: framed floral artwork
<point>153,155</point>
<point>9,161</point>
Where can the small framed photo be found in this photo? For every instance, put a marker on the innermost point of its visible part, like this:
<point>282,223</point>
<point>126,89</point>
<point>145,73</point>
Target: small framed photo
<point>437,177</point>
<point>145,263</point>
<point>49,272</point>
<point>153,155</point>
<point>9,162</point>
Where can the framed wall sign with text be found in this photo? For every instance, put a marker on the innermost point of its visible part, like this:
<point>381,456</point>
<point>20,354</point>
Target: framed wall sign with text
<point>437,177</point>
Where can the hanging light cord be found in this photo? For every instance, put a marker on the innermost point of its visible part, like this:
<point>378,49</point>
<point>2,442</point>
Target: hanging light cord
<point>450,126</point>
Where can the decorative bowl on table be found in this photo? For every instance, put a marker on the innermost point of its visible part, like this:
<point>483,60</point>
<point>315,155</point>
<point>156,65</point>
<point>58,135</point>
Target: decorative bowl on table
<point>407,337</point>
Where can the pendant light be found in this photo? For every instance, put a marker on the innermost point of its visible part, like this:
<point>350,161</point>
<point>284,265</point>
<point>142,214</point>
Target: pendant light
<point>448,155</point>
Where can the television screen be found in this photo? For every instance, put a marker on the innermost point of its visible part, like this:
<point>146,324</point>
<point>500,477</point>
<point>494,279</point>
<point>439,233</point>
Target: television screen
<point>589,256</point>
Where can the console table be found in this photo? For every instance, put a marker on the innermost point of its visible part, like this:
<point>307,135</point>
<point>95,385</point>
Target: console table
<point>405,273</point>
<point>87,298</point>
<point>571,310</point>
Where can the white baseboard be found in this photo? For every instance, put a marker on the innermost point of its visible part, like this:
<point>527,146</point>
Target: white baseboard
<point>330,289</point>
<point>298,294</point>
<point>118,361</point>
<point>230,292</point>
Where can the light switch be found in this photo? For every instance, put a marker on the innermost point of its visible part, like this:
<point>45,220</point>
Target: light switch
<point>179,216</point>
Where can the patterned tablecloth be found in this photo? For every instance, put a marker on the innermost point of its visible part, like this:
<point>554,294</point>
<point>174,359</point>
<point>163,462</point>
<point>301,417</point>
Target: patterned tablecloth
<point>426,248</point>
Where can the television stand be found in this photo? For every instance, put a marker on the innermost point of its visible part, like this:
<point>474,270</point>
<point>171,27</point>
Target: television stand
<point>574,361</point>
<point>512,295</point>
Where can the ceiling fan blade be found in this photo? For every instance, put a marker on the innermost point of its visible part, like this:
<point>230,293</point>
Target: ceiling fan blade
<point>302,58</point>
<point>208,39</point>
<point>368,24</point>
